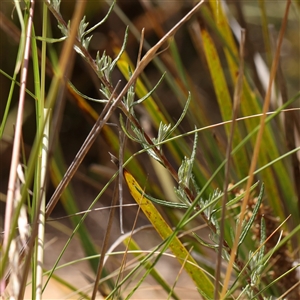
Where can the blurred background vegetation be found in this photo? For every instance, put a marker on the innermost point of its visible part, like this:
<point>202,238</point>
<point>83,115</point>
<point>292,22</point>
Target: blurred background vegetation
<point>202,59</point>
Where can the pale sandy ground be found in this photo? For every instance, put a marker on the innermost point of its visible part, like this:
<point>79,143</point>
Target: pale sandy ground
<point>168,268</point>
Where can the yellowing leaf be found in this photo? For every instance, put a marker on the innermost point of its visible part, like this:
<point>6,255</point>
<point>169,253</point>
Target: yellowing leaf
<point>204,285</point>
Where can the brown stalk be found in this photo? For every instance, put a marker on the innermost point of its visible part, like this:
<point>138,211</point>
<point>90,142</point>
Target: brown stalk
<point>64,63</point>
<point>106,113</point>
<point>92,63</point>
<point>290,124</point>
<point>118,189</point>
<point>109,108</point>
<point>78,158</point>
<point>63,67</point>
<point>18,132</point>
<point>256,152</point>
<point>124,258</point>
<point>105,240</point>
<point>123,138</point>
<point>17,140</point>
<point>236,104</point>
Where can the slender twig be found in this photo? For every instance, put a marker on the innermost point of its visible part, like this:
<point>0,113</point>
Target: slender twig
<point>105,240</point>
<point>122,139</point>
<point>256,151</point>
<point>297,284</point>
<point>78,158</point>
<point>109,108</point>
<point>122,142</point>
<point>124,258</point>
<point>236,104</point>
<point>289,122</point>
<point>77,43</point>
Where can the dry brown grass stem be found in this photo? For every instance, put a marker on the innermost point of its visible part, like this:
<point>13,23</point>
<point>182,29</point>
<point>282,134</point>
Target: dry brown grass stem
<point>17,142</point>
<point>256,151</point>
<point>236,104</point>
<point>109,109</point>
<point>18,132</point>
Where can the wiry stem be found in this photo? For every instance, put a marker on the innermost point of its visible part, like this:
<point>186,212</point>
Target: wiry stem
<point>256,151</point>
<point>237,98</point>
<point>110,107</point>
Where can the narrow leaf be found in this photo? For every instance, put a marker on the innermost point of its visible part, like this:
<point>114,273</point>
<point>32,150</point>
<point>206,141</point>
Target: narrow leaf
<point>204,285</point>
<point>161,202</point>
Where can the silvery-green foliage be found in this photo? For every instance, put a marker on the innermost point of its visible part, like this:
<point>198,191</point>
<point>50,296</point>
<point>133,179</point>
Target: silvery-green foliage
<point>103,64</point>
<point>180,192</point>
<point>204,243</point>
<point>87,97</point>
<point>82,27</point>
<point>163,133</point>
<point>81,34</point>
<point>129,99</point>
<point>144,143</point>
<point>209,207</point>
<point>181,195</point>
<point>246,226</point>
<point>105,91</point>
<point>185,170</point>
<point>55,4</point>
<point>256,266</point>
<point>85,42</point>
<point>185,173</point>
<point>257,263</point>
<point>64,30</point>
<point>150,92</point>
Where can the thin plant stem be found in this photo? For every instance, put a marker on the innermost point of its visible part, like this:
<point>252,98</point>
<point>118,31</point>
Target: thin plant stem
<point>68,47</point>
<point>256,151</point>
<point>122,142</point>
<point>237,99</point>
<point>110,107</point>
<point>124,258</point>
<point>78,159</point>
<point>105,241</point>
<point>41,211</point>
<point>17,139</point>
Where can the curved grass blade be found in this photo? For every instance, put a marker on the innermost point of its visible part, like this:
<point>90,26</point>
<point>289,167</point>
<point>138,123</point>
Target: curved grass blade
<point>204,285</point>
<point>223,97</point>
